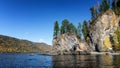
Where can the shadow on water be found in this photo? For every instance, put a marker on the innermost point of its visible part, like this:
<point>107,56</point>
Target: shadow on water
<point>25,60</point>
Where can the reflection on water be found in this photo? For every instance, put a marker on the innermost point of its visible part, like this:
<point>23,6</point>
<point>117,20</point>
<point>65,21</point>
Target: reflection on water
<point>86,61</point>
<point>25,60</point>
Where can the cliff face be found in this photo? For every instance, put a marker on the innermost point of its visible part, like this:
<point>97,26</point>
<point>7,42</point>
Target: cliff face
<point>68,43</point>
<point>100,35</point>
<point>103,30</point>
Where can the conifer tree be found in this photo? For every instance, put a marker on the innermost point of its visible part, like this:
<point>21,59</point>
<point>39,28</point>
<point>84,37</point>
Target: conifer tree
<point>79,29</point>
<point>85,29</point>
<point>94,12</point>
<point>104,6</point>
<point>72,28</point>
<point>62,30</point>
<point>56,29</point>
<point>65,25</point>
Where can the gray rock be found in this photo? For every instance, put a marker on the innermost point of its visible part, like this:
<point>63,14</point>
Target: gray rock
<point>102,31</point>
<point>69,44</point>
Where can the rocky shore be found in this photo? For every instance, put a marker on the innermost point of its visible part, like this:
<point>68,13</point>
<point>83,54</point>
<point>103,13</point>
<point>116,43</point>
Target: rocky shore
<point>82,53</point>
<point>105,53</point>
<point>99,40</point>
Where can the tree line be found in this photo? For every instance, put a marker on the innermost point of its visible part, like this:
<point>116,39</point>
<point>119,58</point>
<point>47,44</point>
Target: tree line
<point>66,27</point>
<point>104,6</point>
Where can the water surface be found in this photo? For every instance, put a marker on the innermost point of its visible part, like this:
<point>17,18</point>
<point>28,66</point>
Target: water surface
<point>26,60</point>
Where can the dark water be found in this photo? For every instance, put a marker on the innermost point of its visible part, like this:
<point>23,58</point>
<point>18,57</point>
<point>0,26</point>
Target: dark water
<point>25,60</point>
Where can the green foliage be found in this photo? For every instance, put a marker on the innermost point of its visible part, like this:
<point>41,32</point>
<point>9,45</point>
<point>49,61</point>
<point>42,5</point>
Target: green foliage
<point>79,29</point>
<point>72,28</point>
<point>116,40</point>
<point>56,29</point>
<point>104,6</point>
<point>67,27</point>
<point>117,32</point>
<point>116,6</point>
<point>65,24</point>
<point>116,36</point>
<point>85,29</point>
<point>62,30</point>
<point>94,12</point>
<point>92,21</point>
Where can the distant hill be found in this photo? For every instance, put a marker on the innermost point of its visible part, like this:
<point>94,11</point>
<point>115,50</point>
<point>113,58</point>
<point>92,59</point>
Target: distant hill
<point>11,44</point>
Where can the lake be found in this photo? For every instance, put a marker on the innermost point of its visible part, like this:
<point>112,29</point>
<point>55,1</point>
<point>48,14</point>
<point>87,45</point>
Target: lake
<point>26,60</point>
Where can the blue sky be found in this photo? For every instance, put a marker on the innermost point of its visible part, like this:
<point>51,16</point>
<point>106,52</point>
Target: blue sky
<point>34,19</point>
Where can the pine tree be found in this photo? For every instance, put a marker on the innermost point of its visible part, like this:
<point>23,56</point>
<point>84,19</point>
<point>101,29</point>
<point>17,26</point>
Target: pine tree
<point>56,29</point>
<point>62,30</point>
<point>79,29</point>
<point>94,12</point>
<point>72,28</point>
<point>65,24</point>
<point>104,6</point>
<point>85,29</point>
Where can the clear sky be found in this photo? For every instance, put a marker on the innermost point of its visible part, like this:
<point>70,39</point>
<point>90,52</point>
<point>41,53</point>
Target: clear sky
<point>34,19</point>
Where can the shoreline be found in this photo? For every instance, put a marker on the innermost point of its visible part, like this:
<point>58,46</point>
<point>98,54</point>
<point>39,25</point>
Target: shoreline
<point>73,53</point>
<point>87,53</point>
<point>104,53</point>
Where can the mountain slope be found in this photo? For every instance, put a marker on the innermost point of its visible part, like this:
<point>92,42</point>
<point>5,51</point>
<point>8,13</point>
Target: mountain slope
<point>10,44</point>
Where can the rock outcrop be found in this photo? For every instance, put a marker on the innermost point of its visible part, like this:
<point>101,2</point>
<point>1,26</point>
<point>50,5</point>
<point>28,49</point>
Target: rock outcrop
<point>100,36</point>
<point>103,29</point>
<point>69,43</point>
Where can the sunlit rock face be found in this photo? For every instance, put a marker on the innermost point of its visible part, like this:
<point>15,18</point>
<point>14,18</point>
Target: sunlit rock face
<point>103,29</point>
<point>68,43</point>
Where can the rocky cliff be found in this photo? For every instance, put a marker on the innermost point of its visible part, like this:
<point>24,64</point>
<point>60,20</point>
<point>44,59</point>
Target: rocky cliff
<point>100,36</point>
<point>102,31</point>
<point>68,43</point>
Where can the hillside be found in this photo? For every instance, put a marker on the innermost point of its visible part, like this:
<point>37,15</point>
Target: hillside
<point>10,44</point>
